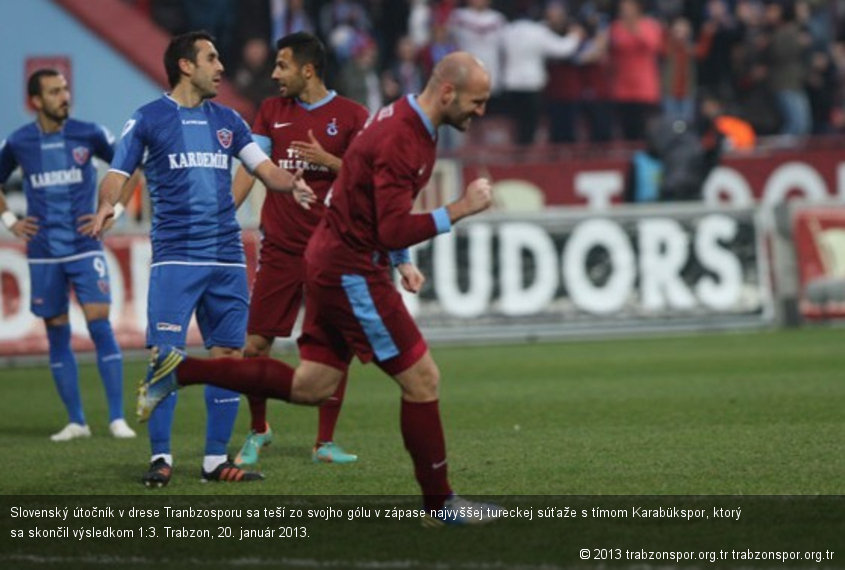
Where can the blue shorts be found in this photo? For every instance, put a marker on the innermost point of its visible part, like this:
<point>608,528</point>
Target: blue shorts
<point>218,293</point>
<point>51,283</point>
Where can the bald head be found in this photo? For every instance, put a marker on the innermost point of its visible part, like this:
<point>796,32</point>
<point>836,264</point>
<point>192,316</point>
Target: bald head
<point>458,68</point>
<point>457,91</point>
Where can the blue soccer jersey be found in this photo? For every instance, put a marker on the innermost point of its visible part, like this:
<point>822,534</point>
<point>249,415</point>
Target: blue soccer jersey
<point>187,155</point>
<point>59,181</point>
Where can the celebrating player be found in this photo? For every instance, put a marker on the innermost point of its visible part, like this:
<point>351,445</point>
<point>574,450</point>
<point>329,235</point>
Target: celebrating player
<point>351,304</point>
<point>198,258</point>
<point>55,153</point>
<point>308,127</point>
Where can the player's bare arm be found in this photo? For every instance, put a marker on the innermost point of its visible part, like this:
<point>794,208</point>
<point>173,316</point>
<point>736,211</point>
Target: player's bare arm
<point>242,185</point>
<point>313,152</point>
<point>23,228</point>
<point>87,222</point>
<point>110,192</point>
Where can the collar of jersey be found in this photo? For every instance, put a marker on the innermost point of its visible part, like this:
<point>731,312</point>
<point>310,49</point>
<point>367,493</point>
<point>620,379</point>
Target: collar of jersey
<point>170,98</point>
<point>316,104</point>
<point>412,101</point>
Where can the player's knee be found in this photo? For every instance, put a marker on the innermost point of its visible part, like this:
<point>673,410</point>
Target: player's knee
<point>57,321</point>
<point>424,383</point>
<point>256,346</point>
<point>312,387</point>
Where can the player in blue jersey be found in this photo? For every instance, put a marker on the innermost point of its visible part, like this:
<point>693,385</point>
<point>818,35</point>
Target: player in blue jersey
<point>187,144</point>
<point>55,153</point>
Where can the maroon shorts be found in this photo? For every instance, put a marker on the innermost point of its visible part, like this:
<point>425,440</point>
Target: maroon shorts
<point>277,292</point>
<point>359,316</point>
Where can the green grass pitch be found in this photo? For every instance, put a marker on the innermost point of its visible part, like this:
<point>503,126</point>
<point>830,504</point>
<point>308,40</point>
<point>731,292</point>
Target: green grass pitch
<point>750,413</point>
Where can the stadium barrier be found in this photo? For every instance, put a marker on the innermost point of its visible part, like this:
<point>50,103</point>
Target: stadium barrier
<point>506,276</point>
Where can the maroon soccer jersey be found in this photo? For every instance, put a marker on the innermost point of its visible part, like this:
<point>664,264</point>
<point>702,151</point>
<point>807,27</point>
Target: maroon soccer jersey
<point>369,214</point>
<point>334,121</point>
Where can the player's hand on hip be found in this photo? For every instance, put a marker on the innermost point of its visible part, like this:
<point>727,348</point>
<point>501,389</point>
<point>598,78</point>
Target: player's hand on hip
<point>25,228</point>
<point>478,196</point>
<point>87,222</point>
<point>412,277</point>
<point>302,193</point>
<point>103,220</point>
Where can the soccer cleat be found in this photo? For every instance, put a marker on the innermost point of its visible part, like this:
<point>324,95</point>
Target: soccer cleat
<point>71,431</point>
<point>330,452</point>
<point>160,380</point>
<point>457,511</point>
<point>228,472</point>
<point>248,455</point>
<point>158,474</point>
<point>121,430</point>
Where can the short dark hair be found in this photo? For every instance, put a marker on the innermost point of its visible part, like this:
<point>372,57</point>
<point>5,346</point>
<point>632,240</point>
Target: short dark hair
<point>33,85</point>
<point>307,48</point>
<point>182,47</point>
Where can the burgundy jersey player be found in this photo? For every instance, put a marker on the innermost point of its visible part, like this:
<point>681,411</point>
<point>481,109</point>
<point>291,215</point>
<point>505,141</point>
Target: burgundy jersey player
<point>306,128</point>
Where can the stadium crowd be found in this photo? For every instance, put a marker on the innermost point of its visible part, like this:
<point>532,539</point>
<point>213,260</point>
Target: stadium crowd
<point>777,64</point>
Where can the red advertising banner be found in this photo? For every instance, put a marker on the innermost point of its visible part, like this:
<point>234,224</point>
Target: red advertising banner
<point>128,258</point>
<point>819,239</point>
<point>598,179</point>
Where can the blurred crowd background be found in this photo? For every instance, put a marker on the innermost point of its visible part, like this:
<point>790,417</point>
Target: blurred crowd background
<point>777,65</point>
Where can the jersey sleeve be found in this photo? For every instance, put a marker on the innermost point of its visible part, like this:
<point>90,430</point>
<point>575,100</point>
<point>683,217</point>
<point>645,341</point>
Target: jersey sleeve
<point>261,125</point>
<point>103,143</point>
<point>242,134</point>
<point>130,148</point>
<point>394,178</point>
<point>8,162</point>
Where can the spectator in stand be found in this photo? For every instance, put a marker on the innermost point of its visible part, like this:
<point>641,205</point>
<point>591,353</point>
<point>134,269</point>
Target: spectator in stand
<point>787,57</point>
<point>477,29</point>
<point>216,17</point>
<point>718,36</point>
<point>252,76</point>
<point>563,90</point>
<point>679,70</point>
<point>821,89</point>
<point>635,44</point>
<point>440,46</point>
<point>420,23</point>
<point>341,23</point>
<point>405,77</point>
<point>358,79</point>
<point>288,17</point>
<point>595,74</point>
<point>526,44</point>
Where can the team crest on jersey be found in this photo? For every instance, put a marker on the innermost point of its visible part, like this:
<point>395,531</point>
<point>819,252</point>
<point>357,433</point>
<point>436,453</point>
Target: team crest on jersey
<point>81,154</point>
<point>225,137</point>
<point>331,128</point>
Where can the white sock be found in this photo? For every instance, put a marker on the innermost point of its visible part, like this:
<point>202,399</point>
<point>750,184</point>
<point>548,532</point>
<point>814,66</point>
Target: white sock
<point>166,456</point>
<point>211,462</point>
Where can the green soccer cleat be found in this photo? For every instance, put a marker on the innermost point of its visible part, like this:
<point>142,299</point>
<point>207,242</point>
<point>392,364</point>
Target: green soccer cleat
<point>457,511</point>
<point>248,455</point>
<point>330,452</point>
<point>160,380</point>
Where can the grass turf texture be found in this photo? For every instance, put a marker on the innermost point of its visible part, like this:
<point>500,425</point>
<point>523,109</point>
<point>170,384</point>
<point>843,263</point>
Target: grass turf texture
<point>751,413</point>
<point>714,414</point>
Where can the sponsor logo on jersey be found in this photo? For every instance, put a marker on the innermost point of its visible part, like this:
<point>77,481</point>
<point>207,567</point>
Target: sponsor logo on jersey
<point>81,154</point>
<point>331,128</point>
<point>127,127</point>
<point>281,125</point>
<point>194,122</point>
<point>180,160</point>
<point>55,178</point>
<point>48,146</point>
<point>225,137</point>
<point>168,327</point>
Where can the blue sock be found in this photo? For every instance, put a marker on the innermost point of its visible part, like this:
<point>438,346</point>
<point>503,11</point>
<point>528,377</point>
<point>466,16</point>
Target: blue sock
<point>222,409</point>
<point>65,372</point>
<point>161,421</point>
<point>110,364</point>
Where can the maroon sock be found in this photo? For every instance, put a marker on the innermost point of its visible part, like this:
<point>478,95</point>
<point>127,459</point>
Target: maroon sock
<point>258,414</point>
<point>329,412</point>
<point>261,376</point>
<point>423,437</point>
